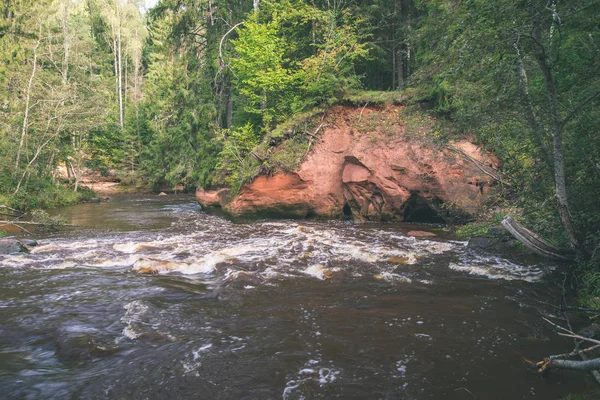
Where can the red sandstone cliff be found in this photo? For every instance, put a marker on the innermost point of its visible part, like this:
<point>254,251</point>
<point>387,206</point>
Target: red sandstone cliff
<point>381,172</point>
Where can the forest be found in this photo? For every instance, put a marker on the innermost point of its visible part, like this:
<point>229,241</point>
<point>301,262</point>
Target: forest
<point>194,92</point>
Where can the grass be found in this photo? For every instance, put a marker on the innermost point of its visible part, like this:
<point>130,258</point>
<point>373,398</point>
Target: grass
<point>300,122</point>
<point>479,227</point>
<point>371,97</point>
<point>289,155</point>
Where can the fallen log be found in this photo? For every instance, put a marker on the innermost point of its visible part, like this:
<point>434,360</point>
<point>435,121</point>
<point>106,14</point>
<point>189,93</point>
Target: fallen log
<point>36,223</point>
<point>587,365</point>
<point>534,242</point>
<point>561,361</point>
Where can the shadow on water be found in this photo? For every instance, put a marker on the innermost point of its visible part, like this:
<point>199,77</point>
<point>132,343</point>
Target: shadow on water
<point>268,309</point>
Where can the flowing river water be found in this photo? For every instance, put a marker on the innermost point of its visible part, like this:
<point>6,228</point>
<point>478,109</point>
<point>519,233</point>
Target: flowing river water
<point>272,309</point>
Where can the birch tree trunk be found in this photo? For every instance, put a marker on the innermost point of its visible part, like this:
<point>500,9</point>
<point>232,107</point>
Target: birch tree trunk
<point>537,129</point>
<point>66,43</point>
<point>115,63</point>
<point>120,63</point>
<point>27,101</point>
<point>557,125</point>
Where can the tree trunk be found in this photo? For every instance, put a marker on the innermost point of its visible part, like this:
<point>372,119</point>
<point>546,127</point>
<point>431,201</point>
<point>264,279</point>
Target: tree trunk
<point>116,65</point>
<point>92,25</point>
<point>75,175</point>
<point>537,130</point>
<point>66,43</point>
<point>557,137</point>
<point>126,69</point>
<point>587,365</point>
<point>120,65</point>
<point>394,66</point>
<point>409,54</point>
<point>27,101</point>
<point>136,73</point>
<point>400,68</point>
<point>229,111</point>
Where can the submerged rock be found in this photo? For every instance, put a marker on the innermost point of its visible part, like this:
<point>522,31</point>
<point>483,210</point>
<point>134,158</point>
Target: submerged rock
<point>12,246</point>
<point>28,242</point>
<point>400,260</point>
<point>99,199</point>
<point>421,234</point>
<point>154,266</point>
<point>503,244</point>
<point>482,242</point>
<point>497,231</point>
<point>243,278</point>
<point>359,171</point>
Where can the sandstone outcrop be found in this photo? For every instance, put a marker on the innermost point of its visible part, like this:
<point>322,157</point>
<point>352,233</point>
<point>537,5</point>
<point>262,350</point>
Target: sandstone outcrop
<point>380,171</point>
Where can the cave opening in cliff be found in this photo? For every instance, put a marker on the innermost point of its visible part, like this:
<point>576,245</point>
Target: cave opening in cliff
<point>417,209</point>
<point>347,211</point>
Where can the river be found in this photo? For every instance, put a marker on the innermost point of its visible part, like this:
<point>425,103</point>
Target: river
<point>272,309</point>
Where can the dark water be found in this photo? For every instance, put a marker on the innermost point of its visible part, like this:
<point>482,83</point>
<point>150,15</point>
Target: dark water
<point>268,310</point>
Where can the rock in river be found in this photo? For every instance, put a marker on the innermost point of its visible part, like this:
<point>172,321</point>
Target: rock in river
<point>12,246</point>
<point>421,234</point>
<point>154,266</point>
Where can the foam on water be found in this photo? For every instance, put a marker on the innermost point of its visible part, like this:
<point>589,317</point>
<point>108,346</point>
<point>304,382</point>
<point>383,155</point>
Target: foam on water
<point>320,272</point>
<point>493,267</point>
<point>306,375</point>
<point>272,250</point>
<point>134,313</point>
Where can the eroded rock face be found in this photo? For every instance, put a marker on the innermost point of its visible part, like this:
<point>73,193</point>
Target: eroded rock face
<point>369,175</point>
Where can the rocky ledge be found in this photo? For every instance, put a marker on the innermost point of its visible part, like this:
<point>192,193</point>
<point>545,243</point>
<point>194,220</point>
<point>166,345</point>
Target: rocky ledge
<point>380,174</point>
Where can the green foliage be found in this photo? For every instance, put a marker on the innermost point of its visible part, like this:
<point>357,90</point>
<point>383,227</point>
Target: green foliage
<point>279,72</point>
<point>48,222</point>
<point>289,155</point>
<point>174,132</point>
<point>470,69</point>
<point>43,195</point>
<point>480,227</point>
<point>300,122</point>
<point>267,78</point>
<point>236,166</point>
